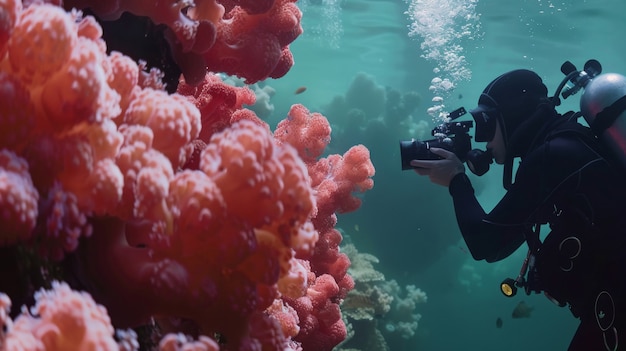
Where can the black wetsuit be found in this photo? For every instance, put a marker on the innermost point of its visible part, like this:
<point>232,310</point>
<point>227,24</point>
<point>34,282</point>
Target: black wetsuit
<point>565,181</point>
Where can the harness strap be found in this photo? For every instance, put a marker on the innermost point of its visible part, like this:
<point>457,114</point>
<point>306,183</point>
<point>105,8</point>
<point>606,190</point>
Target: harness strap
<point>608,115</point>
<point>532,238</point>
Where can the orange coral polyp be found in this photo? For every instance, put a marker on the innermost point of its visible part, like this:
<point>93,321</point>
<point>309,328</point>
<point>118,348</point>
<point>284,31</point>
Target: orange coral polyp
<point>106,183</point>
<point>243,163</point>
<point>63,319</point>
<point>298,198</point>
<point>78,92</point>
<point>197,204</point>
<point>105,138</point>
<point>41,42</point>
<point>174,121</point>
<point>123,78</point>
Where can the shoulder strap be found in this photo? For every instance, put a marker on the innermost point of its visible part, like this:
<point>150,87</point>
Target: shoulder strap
<point>606,117</point>
<point>590,138</point>
<point>574,128</point>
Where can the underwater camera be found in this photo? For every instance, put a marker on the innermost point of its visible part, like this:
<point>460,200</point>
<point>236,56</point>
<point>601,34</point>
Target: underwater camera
<point>452,136</point>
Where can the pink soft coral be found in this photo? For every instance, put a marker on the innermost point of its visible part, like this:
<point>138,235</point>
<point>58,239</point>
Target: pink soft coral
<point>174,121</point>
<point>308,132</point>
<point>59,108</point>
<point>233,231</point>
<point>167,225</point>
<point>264,36</point>
<point>217,101</point>
<point>335,179</point>
<point>62,319</point>
<point>33,41</point>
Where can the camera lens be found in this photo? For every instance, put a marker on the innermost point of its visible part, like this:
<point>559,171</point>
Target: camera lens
<point>420,150</point>
<point>409,150</point>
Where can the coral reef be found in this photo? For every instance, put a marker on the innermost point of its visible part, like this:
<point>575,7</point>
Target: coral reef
<point>382,315</point>
<point>177,211</point>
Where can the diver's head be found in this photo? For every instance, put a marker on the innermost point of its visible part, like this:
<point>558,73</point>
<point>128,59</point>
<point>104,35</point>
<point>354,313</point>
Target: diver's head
<point>508,99</point>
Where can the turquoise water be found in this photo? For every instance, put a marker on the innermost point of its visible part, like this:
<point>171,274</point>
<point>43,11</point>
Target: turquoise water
<point>406,221</point>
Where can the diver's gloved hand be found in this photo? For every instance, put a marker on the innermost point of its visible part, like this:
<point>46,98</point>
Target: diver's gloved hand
<point>439,171</point>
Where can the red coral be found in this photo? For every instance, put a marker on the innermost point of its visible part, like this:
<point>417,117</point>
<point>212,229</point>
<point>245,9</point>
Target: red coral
<point>337,177</point>
<point>217,102</point>
<point>250,6</point>
<point>286,316</point>
<point>308,132</point>
<point>321,326</point>
<point>267,334</point>
<point>262,36</point>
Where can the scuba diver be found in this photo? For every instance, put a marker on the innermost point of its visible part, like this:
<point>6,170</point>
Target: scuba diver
<point>566,178</point>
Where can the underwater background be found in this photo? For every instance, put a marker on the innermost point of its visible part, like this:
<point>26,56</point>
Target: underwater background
<point>364,64</point>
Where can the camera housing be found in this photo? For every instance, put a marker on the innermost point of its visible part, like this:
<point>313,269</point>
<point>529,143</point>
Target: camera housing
<point>452,136</point>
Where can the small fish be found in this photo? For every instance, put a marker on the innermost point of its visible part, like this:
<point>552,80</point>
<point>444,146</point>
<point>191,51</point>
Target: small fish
<point>522,310</point>
<point>499,323</point>
<point>300,90</point>
<point>356,227</point>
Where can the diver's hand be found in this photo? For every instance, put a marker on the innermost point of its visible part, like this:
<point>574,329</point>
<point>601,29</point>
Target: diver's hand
<point>439,171</point>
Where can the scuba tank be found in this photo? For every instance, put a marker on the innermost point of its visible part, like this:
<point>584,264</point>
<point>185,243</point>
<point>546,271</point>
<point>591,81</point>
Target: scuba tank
<point>603,104</point>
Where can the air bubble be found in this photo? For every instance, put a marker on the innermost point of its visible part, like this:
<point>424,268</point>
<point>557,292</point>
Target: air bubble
<point>443,25</point>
